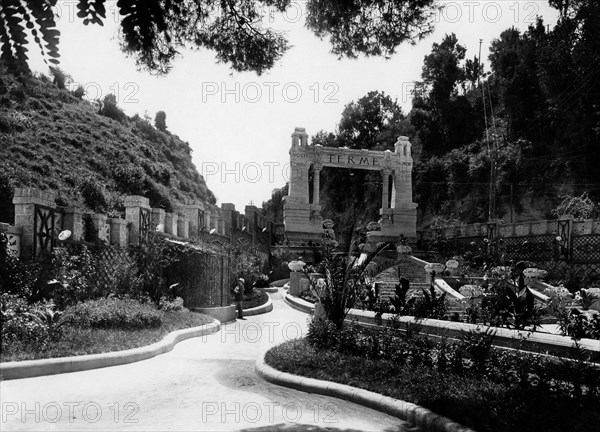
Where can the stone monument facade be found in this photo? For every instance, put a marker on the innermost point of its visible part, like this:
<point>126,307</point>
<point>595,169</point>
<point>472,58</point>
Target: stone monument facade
<point>302,210</point>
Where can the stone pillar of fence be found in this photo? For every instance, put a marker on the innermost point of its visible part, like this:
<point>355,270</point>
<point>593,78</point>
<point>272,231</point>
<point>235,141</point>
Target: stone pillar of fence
<point>118,232</point>
<point>193,212</point>
<point>25,200</point>
<point>183,226</point>
<point>13,235</point>
<point>171,223</point>
<point>101,228</point>
<point>73,221</point>
<point>134,206</point>
<point>214,219</point>
<point>158,219</point>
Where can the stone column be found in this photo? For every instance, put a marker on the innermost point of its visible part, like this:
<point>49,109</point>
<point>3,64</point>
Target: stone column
<point>295,277</point>
<point>135,208</point>
<point>158,219</point>
<point>101,228</point>
<point>73,221</point>
<point>385,189</point>
<point>316,182</point>
<point>13,235</point>
<point>193,213</point>
<point>171,223</point>
<point>25,200</point>
<point>183,225</point>
<point>118,232</point>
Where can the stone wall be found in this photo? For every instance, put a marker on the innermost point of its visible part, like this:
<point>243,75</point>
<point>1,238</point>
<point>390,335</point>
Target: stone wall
<point>39,222</point>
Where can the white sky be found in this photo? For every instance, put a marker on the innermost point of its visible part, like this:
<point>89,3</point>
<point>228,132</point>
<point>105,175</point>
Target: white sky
<point>239,124</point>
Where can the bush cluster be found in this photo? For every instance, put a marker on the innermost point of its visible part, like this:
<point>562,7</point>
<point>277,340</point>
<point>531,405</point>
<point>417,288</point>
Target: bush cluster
<point>113,313</point>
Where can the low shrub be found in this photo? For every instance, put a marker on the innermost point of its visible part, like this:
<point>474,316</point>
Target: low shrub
<point>113,313</point>
<point>19,329</point>
<point>167,305</point>
<point>17,277</point>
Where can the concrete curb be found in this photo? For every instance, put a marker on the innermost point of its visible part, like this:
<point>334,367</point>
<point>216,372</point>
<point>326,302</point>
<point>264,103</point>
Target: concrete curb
<point>427,420</point>
<point>33,368</point>
<point>298,303</point>
<point>264,308</point>
<point>270,289</point>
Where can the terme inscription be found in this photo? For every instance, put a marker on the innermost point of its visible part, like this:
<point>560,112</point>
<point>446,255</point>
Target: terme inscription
<point>353,160</point>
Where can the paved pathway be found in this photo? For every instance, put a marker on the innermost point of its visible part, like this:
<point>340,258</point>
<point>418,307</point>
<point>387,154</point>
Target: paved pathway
<point>204,384</point>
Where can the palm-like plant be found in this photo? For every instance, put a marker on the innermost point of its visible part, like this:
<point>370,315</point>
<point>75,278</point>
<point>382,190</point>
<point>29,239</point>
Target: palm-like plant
<point>346,276</point>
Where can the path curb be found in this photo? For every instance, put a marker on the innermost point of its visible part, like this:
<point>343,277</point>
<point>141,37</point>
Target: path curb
<point>423,418</point>
<point>33,368</point>
<point>264,308</point>
<point>270,289</point>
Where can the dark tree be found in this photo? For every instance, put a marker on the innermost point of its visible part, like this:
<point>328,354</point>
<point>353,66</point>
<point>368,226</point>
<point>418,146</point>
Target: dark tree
<point>155,31</point>
<point>160,121</point>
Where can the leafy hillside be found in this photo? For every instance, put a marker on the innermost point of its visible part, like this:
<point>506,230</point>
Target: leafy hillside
<point>91,154</point>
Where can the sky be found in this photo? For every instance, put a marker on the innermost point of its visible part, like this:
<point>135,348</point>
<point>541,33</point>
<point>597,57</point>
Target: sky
<point>239,125</point>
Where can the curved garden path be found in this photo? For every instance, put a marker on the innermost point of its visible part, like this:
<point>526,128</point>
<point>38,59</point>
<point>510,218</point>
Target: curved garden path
<point>204,384</point>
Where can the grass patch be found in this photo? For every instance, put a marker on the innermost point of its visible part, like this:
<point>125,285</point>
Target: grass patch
<point>77,340</point>
<point>254,299</point>
<point>474,402</point>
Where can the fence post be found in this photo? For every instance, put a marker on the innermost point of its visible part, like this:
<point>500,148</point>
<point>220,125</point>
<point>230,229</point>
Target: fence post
<point>565,230</point>
<point>137,213</point>
<point>158,219</point>
<point>171,223</point>
<point>25,201</point>
<point>101,228</point>
<point>118,232</point>
<point>13,235</point>
<point>73,221</point>
<point>194,214</point>
<point>183,226</point>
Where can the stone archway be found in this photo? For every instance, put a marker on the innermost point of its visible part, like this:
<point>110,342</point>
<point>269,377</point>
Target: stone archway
<point>302,209</point>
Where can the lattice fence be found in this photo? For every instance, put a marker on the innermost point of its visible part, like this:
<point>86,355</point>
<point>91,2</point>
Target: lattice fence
<point>530,248</point>
<point>586,248</point>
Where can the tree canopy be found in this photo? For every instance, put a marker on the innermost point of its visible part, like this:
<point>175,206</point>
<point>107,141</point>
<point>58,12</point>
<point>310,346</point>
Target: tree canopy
<point>155,31</point>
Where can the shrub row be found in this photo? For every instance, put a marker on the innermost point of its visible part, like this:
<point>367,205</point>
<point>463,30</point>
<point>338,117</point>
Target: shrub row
<point>113,313</point>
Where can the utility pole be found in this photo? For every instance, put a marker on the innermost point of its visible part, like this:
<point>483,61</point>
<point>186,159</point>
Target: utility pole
<point>487,135</point>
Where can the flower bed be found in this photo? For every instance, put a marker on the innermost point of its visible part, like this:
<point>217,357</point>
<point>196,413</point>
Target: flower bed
<point>469,381</point>
<point>93,327</point>
<point>254,299</point>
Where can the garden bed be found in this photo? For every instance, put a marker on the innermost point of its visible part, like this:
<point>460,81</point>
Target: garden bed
<point>255,299</point>
<point>473,401</point>
<point>76,340</point>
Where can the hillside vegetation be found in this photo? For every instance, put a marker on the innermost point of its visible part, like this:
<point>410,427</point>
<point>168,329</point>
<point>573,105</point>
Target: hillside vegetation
<point>91,154</point>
